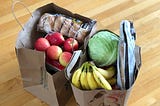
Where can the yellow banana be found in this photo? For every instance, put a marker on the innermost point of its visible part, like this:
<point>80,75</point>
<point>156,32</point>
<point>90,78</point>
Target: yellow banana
<point>100,79</point>
<point>83,79</point>
<point>112,81</point>
<point>90,79</point>
<point>76,78</point>
<point>109,73</point>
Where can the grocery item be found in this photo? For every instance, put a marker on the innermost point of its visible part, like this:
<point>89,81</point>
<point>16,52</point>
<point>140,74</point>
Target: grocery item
<point>65,58</point>
<point>108,73</point>
<point>112,80</point>
<point>58,22</point>
<point>76,77</point>
<point>70,45</point>
<point>91,80</point>
<point>67,26</point>
<point>83,78</point>
<point>58,49</point>
<point>88,77</point>
<point>53,52</point>
<point>101,80</point>
<point>106,43</point>
<point>41,44</point>
<point>55,38</point>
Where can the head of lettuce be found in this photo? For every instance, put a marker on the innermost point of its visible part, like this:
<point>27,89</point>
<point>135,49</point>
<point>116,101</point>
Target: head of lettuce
<point>103,48</point>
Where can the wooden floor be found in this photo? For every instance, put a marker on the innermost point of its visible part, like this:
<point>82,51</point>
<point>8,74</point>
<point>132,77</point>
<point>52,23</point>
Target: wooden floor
<point>108,13</point>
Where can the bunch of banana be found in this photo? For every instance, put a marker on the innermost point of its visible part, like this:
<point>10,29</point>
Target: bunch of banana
<point>109,74</point>
<point>89,77</point>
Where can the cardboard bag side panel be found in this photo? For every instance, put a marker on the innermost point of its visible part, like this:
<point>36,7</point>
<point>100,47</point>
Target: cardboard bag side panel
<point>36,79</point>
<point>31,68</point>
<point>63,88</point>
<point>45,92</point>
<point>108,98</point>
<point>85,98</point>
<point>99,97</point>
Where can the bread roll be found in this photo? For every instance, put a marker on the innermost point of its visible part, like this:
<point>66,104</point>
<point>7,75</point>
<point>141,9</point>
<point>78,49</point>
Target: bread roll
<point>46,23</point>
<point>82,33</point>
<point>66,26</point>
<point>58,23</point>
<point>73,30</point>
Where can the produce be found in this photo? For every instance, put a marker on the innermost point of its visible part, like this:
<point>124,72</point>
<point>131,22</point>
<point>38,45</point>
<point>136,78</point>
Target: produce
<point>103,48</point>
<point>83,78</point>
<point>91,80</point>
<point>55,38</point>
<point>58,49</point>
<point>88,77</point>
<point>101,80</point>
<point>76,77</point>
<point>53,52</point>
<point>56,64</point>
<point>112,81</point>
<point>108,73</point>
<point>41,44</point>
<point>64,58</point>
<point>70,45</point>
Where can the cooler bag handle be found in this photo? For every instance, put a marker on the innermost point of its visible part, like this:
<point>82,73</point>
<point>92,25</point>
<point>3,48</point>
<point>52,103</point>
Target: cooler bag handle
<point>129,59</point>
<point>21,3</point>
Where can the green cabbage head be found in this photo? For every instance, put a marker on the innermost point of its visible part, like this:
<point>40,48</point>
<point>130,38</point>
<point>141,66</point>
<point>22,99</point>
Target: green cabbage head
<point>103,48</point>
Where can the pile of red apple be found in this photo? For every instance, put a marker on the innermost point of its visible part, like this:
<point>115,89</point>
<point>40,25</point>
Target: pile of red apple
<point>57,48</point>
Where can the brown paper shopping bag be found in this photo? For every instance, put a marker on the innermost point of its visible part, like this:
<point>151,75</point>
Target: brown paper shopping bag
<point>100,97</point>
<point>54,89</point>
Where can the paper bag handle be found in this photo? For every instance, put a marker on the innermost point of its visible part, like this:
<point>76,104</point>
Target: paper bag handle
<point>13,5</point>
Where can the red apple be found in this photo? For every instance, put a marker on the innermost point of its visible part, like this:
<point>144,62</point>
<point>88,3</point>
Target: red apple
<point>55,64</point>
<point>65,58</point>
<point>70,45</point>
<point>53,52</point>
<point>41,44</point>
<point>55,38</point>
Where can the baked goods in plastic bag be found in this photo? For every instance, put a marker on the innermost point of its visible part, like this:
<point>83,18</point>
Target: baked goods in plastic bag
<point>67,26</point>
